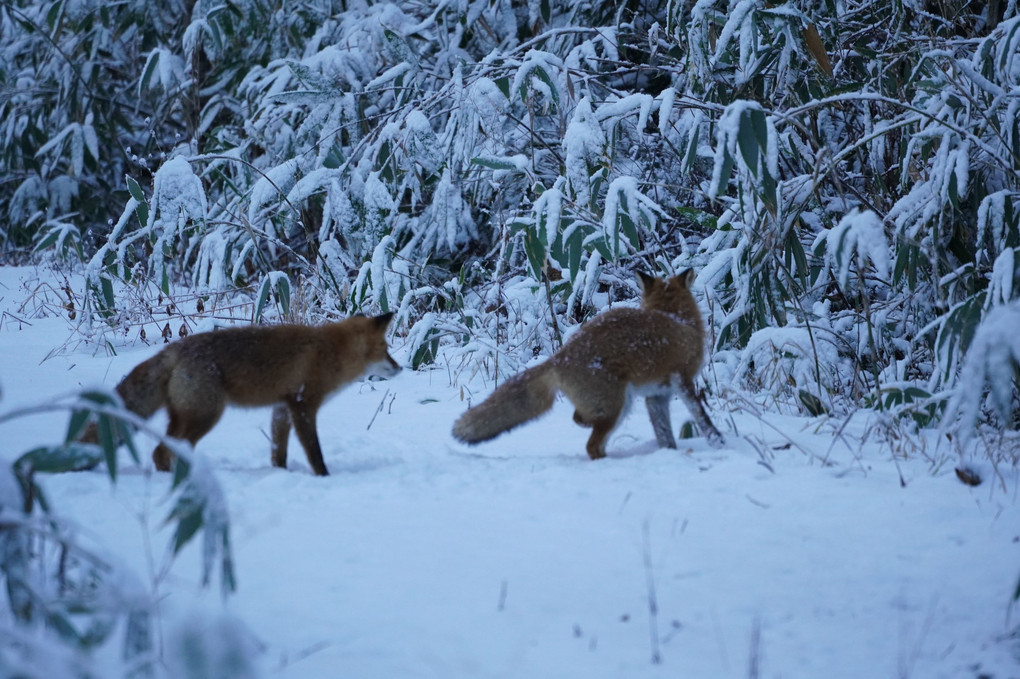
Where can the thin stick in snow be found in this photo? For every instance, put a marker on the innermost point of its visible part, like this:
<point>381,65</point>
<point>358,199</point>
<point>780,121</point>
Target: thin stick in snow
<point>653,605</point>
<point>378,410</point>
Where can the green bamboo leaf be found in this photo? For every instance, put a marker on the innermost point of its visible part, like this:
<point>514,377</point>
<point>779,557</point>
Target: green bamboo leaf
<point>812,403</point>
<point>283,293</point>
<point>59,459</point>
<point>957,332</point>
<point>76,425</point>
<point>188,524</point>
<point>495,163</point>
<point>108,443</point>
<point>260,303</point>
<point>544,77</point>
<point>535,248</point>
<point>748,143</point>
<point>761,129</point>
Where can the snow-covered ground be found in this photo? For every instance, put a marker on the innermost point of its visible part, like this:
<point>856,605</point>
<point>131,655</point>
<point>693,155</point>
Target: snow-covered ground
<point>792,552</point>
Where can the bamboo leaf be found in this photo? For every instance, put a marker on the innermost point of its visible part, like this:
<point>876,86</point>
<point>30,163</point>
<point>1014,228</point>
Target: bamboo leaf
<point>817,49</point>
<point>748,142</point>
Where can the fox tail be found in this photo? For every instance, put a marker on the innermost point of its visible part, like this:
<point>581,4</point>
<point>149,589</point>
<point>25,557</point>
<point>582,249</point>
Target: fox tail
<point>516,401</point>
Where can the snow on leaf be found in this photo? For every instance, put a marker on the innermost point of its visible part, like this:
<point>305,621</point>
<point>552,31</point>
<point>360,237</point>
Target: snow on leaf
<point>1003,283</point>
<point>548,211</point>
<point>642,103</point>
<point>57,140</point>
<point>310,184</point>
<point>666,99</point>
<point>858,236</point>
<point>448,218</point>
<point>537,71</point>
<point>992,360</point>
<point>739,20</point>
<point>272,185</point>
<point>177,195</point>
<point>626,208</point>
<point>584,146</point>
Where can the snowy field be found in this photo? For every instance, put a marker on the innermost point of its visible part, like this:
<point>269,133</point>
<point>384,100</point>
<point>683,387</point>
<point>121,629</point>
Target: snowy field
<point>793,552</point>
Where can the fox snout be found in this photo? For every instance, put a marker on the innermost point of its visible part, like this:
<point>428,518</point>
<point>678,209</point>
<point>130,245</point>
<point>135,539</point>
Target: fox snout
<point>385,368</point>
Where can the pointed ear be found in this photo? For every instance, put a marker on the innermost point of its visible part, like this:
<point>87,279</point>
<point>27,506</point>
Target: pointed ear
<point>645,282</point>
<point>686,277</point>
<point>383,320</point>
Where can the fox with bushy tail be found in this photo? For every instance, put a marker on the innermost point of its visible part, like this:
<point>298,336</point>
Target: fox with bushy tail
<point>291,367</point>
<point>655,351</point>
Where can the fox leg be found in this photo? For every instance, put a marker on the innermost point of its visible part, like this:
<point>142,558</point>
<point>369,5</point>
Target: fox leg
<point>598,403</point>
<point>302,415</point>
<point>190,425</point>
<point>697,410</point>
<point>280,428</point>
<point>601,428</point>
<point>658,413</point>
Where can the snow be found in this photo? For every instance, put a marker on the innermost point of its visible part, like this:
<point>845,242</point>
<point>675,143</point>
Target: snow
<point>994,350</point>
<point>860,232</point>
<point>584,143</point>
<point>177,195</point>
<point>794,550</point>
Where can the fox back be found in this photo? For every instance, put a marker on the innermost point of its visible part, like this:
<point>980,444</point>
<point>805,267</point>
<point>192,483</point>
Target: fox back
<point>263,365</point>
<point>664,338</point>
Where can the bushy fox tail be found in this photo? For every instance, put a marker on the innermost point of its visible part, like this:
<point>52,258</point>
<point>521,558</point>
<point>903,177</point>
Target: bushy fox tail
<point>516,401</point>
<point>144,390</point>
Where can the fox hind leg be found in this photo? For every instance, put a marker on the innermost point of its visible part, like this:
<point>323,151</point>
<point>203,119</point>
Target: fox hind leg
<point>280,429</point>
<point>601,428</point>
<point>658,413</point>
<point>693,402</point>
<point>598,403</point>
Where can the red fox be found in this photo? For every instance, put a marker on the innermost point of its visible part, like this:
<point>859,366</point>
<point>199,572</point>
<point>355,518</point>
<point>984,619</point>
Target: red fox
<point>654,351</point>
<point>291,367</point>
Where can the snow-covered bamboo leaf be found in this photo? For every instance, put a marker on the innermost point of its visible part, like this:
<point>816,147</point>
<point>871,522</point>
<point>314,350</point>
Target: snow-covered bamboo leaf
<point>278,284</point>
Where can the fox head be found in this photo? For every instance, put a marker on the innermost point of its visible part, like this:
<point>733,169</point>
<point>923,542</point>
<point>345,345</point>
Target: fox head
<point>378,362</point>
<point>671,295</point>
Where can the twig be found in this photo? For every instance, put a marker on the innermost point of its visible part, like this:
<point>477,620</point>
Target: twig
<point>378,410</point>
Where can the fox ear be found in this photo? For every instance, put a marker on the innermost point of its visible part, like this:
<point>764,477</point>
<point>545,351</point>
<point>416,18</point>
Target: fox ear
<point>383,320</point>
<point>686,277</point>
<point>645,282</point>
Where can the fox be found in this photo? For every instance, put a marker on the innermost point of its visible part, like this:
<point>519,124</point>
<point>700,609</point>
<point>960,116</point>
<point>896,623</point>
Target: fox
<point>293,368</point>
<point>655,351</point>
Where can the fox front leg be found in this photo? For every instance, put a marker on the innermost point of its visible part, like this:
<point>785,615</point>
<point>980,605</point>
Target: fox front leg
<point>658,413</point>
<point>302,416</point>
<point>280,428</point>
